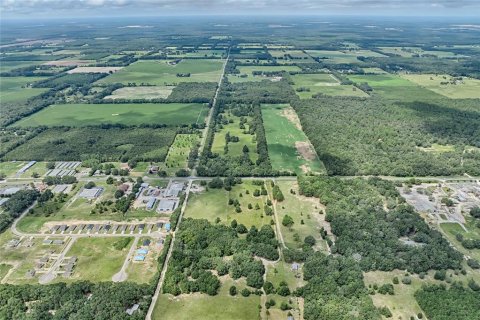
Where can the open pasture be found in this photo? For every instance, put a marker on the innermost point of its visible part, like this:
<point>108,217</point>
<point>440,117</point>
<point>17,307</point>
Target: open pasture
<point>213,204</point>
<point>78,115</point>
<point>394,87</point>
<point>163,72</point>
<point>409,52</point>
<point>446,85</point>
<point>288,147</point>
<point>98,252</point>
<point>148,92</point>
<point>11,65</point>
<point>233,129</point>
<point>308,85</point>
<point>177,156</point>
<point>204,307</point>
<point>16,89</point>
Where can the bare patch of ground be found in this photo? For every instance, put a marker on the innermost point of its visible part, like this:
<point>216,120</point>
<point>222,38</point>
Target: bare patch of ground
<point>150,92</point>
<point>95,70</point>
<point>306,150</point>
<point>291,115</point>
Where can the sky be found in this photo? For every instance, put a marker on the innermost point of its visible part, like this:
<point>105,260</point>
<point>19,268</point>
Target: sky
<point>98,8</point>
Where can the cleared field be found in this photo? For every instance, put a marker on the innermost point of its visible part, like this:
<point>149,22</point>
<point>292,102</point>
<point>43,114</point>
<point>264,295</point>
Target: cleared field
<point>307,85</point>
<point>450,230</point>
<point>233,129</point>
<point>98,252</point>
<point>446,85</point>
<point>249,69</point>
<point>177,156</point>
<point>347,56</point>
<point>197,54</point>
<point>11,65</point>
<point>409,52</point>
<point>394,87</point>
<point>150,92</point>
<point>304,209</point>
<point>10,168</point>
<point>214,203</point>
<point>204,307</point>
<point>288,147</point>
<point>374,71</point>
<point>95,70</point>
<point>77,115</point>
<point>161,72</point>
<point>15,89</point>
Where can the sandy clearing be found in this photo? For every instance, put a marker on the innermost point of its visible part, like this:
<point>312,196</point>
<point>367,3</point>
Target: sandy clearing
<point>306,150</point>
<point>291,115</point>
<point>94,70</point>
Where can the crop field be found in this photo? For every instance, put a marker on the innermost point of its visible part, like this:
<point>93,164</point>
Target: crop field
<point>394,87</point>
<point>336,57</point>
<point>300,208</point>
<point>11,65</point>
<point>77,115</point>
<point>150,92</point>
<point>161,72</point>
<point>249,69</point>
<point>204,307</point>
<point>98,252</point>
<point>213,204</point>
<point>288,147</point>
<point>451,87</point>
<point>308,85</point>
<point>70,144</point>
<point>235,148</point>
<point>16,89</point>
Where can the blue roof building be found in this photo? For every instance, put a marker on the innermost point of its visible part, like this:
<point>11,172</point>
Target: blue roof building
<point>139,258</point>
<point>167,226</point>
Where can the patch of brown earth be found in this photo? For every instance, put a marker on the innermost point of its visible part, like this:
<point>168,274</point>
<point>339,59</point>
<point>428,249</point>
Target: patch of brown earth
<point>306,150</point>
<point>291,115</point>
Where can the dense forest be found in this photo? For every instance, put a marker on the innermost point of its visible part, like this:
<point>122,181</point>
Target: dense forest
<point>373,224</point>
<point>335,290</point>
<point>200,247</point>
<point>454,303</point>
<point>77,301</point>
<point>105,143</point>
<point>376,136</point>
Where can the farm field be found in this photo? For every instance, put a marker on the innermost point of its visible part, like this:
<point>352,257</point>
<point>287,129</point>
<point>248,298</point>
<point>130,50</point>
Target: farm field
<point>308,85</point>
<point>409,52</point>
<point>16,89</point>
<point>161,72</point>
<point>11,65</point>
<point>98,252</point>
<point>208,53</point>
<point>151,92</point>
<point>77,115</point>
<point>446,85</point>
<point>213,204</point>
<point>249,69</point>
<point>394,87</point>
<point>204,307</point>
<point>288,147</point>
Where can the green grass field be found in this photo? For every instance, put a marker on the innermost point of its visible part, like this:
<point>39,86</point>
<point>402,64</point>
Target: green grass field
<point>450,230</point>
<point>214,203</point>
<point>394,87</point>
<point>16,89</point>
<point>10,168</point>
<point>300,208</point>
<point>11,65</point>
<point>249,69</point>
<point>288,146</point>
<point>160,72</point>
<point>143,272</point>
<point>204,307</point>
<point>78,115</point>
<point>235,148</point>
<point>98,252</point>
<point>177,156</point>
<point>4,268</point>
<point>323,83</point>
<point>467,88</point>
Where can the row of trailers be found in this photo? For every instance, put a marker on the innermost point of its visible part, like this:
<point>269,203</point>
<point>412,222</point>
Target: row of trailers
<point>108,228</point>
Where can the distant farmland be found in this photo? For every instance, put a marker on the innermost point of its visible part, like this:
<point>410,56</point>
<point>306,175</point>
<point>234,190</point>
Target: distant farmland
<point>77,115</point>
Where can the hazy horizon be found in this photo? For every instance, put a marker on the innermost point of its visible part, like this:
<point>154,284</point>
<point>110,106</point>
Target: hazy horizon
<point>50,9</point>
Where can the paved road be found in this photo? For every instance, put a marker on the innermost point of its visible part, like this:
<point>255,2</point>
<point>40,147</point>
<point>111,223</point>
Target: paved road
<point>165,265</point>
<point>50,275</point>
